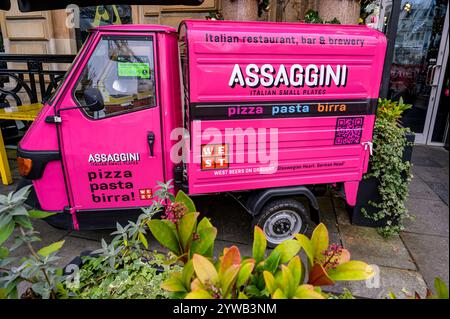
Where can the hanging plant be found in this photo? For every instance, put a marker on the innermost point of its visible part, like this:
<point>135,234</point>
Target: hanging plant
<point>214,15</point>
<point>312,16</point>
<point>263,6</point>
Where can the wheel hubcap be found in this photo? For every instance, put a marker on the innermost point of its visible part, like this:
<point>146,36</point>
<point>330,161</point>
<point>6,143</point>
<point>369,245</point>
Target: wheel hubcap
<point>282,225</point>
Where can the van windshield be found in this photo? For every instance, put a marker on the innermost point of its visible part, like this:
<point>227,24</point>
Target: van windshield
<point>121,71</point>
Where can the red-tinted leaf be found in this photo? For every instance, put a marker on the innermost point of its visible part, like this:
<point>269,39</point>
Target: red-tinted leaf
<point>318,276</point>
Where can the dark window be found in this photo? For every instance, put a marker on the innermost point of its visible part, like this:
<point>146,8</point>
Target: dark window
<point>122,69</point>
<point>95,16</point>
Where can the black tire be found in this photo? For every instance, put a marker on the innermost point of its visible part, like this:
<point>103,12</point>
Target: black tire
<point>277,220</point>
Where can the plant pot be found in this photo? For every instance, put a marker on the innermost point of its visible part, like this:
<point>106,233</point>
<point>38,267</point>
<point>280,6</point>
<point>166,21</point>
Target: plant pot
<point>240,10</point>
<point>368,192</point>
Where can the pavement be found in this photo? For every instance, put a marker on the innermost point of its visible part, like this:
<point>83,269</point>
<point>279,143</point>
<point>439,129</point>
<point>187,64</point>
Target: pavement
<point>405,263</point>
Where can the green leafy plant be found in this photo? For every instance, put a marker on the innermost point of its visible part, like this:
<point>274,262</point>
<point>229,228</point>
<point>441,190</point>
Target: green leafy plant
<point>263,5</point>
<point>312,16</point>
<point>39,270</point>
<point>125,267</point>
<point>180,232</point>
<point>137,275</point>
<point>281,275</point>
<point>391,110</point>
<point>388,167</point>
<point>224,282</point>
<point>214,15</point>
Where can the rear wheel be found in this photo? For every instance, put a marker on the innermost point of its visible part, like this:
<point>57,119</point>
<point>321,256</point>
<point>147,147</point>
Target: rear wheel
<point>281,219</point>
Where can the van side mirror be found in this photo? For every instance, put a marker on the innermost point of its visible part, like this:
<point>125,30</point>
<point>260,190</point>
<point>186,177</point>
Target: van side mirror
<point>93,99</point>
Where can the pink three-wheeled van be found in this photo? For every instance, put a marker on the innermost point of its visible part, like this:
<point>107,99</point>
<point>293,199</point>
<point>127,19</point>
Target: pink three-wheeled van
<point>262,111</point>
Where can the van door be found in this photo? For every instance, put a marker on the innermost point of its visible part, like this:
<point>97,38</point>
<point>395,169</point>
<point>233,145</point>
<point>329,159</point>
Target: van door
<point>112,156</point>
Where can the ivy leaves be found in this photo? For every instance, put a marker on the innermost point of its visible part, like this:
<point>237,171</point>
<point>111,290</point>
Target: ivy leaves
<point>387,166</point>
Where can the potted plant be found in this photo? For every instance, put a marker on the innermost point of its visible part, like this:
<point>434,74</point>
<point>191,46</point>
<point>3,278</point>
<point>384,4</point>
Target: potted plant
<point>384,189</point>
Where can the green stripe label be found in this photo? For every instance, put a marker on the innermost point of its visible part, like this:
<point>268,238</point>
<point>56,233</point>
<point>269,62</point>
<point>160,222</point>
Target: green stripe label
<point>134,69</point>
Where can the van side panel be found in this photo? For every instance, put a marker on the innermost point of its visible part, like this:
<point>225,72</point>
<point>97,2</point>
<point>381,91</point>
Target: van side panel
<point>212,58</point>
<point>306,155</point>
<point>50,189</point>
<point>34,137</point>
<point>312,88</point>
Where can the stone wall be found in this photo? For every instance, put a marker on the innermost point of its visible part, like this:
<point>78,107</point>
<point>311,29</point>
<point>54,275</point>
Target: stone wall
<point>42,32</point>
<point>46,31</point>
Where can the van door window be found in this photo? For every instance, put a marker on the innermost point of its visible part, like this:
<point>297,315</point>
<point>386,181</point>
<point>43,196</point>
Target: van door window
<point>121,70</point>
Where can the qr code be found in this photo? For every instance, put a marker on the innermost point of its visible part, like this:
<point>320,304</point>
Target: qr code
<point>348,130</point>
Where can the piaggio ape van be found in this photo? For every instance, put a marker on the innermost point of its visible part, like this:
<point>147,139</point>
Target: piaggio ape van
<point>262,111</point>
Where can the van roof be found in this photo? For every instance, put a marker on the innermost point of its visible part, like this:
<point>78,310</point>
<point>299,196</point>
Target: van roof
<point>240,62</point>
<point>135,27</point>
<point>250,25</point>
<point>280,27</point>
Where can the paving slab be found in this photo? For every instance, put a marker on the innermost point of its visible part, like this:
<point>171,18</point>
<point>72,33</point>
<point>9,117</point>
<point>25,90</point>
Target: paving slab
<point>418,189</point>
<point>430,217</point>
<point>327,214</point>
<point>387,280</point>
<point>335,238</point>
<point>6,189</point>
<point>430,254</point>
<point>73,247</point>
<point>341,212</point>
<point>425,160</point>
<point>438,154</point>
<point>431,174</point>
<point>367,245</point>
<point>441,189</point>
<point>95,235</point>
<point>233,223</point>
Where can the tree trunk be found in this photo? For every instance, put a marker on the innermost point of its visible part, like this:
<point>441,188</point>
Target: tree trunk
<point>346,11</point>
<point>241,10</point>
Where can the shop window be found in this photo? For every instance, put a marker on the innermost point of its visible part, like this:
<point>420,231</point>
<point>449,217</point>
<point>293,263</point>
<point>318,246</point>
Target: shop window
<point>121,71</point>
<point>101,15</point>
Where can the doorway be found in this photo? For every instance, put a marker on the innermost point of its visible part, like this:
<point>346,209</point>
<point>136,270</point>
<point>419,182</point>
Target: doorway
<point>419,65</point>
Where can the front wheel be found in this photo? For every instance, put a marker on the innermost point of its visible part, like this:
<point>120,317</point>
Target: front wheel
<point>281,219</point>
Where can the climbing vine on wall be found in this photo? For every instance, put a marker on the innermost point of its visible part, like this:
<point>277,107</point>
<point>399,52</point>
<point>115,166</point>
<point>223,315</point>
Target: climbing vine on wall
<point>312,16</point>
<point>263,5</point>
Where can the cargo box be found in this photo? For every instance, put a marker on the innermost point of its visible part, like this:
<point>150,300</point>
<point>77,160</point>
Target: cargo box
<point>279,104</point>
